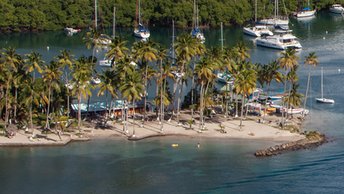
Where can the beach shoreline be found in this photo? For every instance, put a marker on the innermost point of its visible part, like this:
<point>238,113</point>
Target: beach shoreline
<point>221,128</point>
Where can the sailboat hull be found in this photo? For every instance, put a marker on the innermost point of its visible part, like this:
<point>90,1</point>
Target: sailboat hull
<point>325,100</point>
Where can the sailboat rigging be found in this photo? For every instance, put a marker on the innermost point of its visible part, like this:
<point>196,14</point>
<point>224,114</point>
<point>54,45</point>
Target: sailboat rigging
<point>322,99</point>
<point>196,32</point>
<point>140,30</point>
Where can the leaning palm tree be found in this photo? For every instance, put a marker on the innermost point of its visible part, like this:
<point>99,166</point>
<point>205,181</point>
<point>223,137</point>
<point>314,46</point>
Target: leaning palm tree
<point>312,61</point>
<point>33,63</point>
<point>65,59</point>
<point>245,84</point>
<point>186,47</point>
<point>204,71</point>
<point>117,50</point>
<point>51,76</point>
<point>81,77</point>
<point>107,85</point>
<point>145,53</point>
<point>11,62</point>
<point>294,99</point>
<point>287,61</point>
<point>132,90</point>
<point>240,52</point>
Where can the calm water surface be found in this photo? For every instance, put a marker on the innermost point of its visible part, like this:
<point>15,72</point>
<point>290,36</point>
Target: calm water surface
<point>219,166</point>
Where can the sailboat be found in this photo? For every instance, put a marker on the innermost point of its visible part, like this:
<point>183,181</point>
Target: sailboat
<point>276,20</point>
<point>305,12</point>
<point>140,30</point>
<point>103,39</point>
<point>257,30</point>
<point>322,99</point>
<point>196,32</point>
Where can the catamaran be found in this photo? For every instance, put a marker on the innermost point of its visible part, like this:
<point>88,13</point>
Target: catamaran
<point>140,30</point>
<point>257,30</point>
<point>281,41</point>
<point>322,99</point>
<point>196,31</point>
<point>337,8</point>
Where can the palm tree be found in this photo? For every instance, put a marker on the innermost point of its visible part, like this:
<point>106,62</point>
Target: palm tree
<point>245,84</point>
<point>144,53</point>
<point>132,89</point>
<point>65,59</point>
<point>11,61</point>
<point>204,71</point>
<point>33,63</point>
<point>107,85</point>
<point>311,60</point>
<point>240,52</point>
<point>51,76</point>
<point>287,61</point>
<point>186,47</point>
<point>117,51</point>
<point>81,76</point>
<point>294,98</point>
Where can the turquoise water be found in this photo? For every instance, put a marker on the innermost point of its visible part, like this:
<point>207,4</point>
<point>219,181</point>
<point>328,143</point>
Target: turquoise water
<point>219,166</point>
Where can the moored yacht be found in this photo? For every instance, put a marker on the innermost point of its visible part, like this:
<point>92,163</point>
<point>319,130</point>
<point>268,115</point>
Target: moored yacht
<point>337,8</point>
<point>281,41</point>
<point>306,12</point>
<point>141,32</point>
<point>257,31</point>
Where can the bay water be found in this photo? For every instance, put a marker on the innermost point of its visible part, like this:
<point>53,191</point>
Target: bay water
<point>219,165</point>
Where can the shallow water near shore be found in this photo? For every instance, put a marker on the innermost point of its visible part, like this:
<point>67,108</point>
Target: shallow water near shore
<point>219,165</point>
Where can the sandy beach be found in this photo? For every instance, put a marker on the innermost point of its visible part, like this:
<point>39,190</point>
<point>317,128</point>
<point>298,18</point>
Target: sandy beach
<point>214,128</point>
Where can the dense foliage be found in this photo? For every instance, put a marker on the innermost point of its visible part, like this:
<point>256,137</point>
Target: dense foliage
<point>18,15</point>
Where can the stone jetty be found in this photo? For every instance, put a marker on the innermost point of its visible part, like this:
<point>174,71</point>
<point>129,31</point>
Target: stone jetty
<point>313,139</point>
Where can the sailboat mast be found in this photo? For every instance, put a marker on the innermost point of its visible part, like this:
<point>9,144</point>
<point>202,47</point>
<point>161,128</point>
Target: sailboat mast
<point>197,22</point>
<point>173,36</point>
<point>194,15</point>
<point>322,83</point>
<point>255,12</point>
<point>221,36</point>
<point>95,15</point>
<point>114,23</point>
<point>139,12</point>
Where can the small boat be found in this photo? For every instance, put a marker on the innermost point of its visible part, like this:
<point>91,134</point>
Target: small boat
<point>95,80</point>
<point>282,41</point>
<point>105,63</point>
<point>305,12</point>
<point>322,99</point>
<point>141,32</point>
<point>296,111</point>
<point>224,78</point>
<point>70,86</point>
<point>72,30</point>
<point>257,31</point>
<point>337,8</point>
<point>196,32</point>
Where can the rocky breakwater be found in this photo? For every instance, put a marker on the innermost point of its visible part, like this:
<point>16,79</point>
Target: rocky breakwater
<point>313,139</point>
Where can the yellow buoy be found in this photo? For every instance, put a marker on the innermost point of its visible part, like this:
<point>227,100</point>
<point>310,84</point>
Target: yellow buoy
<point>175,145</point>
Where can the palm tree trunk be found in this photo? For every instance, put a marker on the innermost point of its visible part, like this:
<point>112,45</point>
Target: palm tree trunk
<point>68,109</point>
<point>242,110</point>
<point>306,95</point>
<point>145,96</point>
<point>47,126</point>
<point>15,104</point>
<point>161,98</point>
<point>285,88</point>
<point>79,111</point>
<point>30,110</point>
<point>236,105</point>
<point>7,104</point>
<point>192,92</point>
<point>157,94</point>
<point>201,108</point>
<point>179,98</point>
<point>134,134</point>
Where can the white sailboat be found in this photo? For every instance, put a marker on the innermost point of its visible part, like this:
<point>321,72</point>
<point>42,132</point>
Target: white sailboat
<point>322,99</point>
<point>337,8</point>
<point>257,30</point>
<point>305,12</point>
<point>103,39</point>
<point>140,30</point>
<point>276,20</point>
<point>196,32</point>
